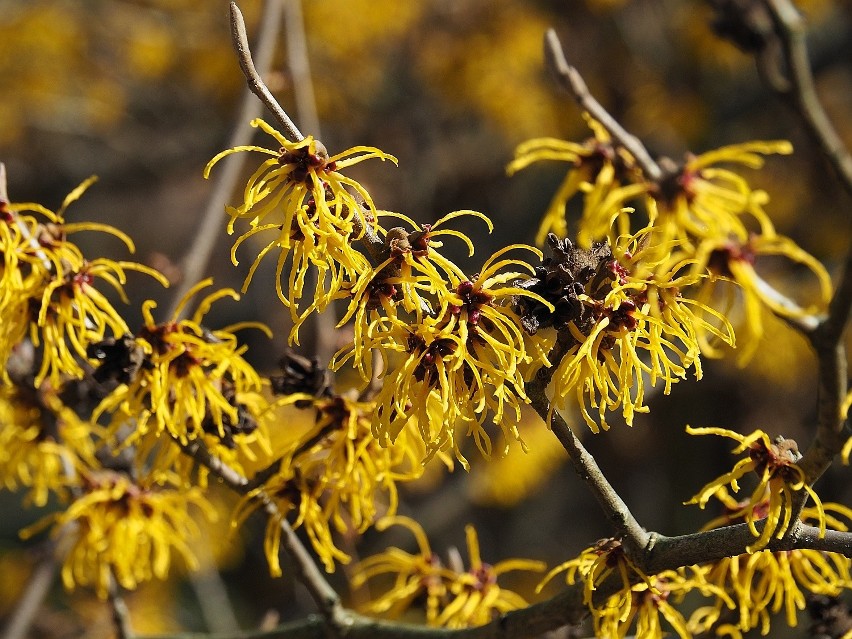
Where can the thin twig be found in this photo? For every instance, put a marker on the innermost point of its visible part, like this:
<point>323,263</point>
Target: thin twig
<point>35,592</point>
<point>197,257</point>
<point>369,238</point>
<point>255,83</point>
<point>571,80</point>
<point>790,26</point>
<point>120,613</point>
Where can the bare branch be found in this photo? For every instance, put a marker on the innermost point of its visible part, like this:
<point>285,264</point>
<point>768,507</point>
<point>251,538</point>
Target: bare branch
<point>197,257</point>
<point>255,83</point>
<point>120,613</point>
<point>790,26</point>
<point>571,80</point>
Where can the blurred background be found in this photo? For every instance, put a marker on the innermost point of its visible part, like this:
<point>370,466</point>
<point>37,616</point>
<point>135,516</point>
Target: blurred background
<point>143,93</point>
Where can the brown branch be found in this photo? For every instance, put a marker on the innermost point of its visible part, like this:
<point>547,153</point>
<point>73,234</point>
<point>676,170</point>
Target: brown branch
<point>255,83</point>
<point>369,238</point>
<point>195,260</point>
<point>120,613</point>
<point>571,80</point>
<point>791,29</point>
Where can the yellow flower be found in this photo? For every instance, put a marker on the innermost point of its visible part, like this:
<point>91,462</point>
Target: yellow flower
<point>642,603</point>
<point>179,378</point>
<point>459,364</point>
<point>300,195</point>
<point>620,320</point>
<point>775,466</point>
<point>765,582</point>
<point>731,260</point>
<point>48,287</point>
<point>455,597</point>
<point>132,531</point>
<point>593,566</point>
<point>42,443</point>
<point>416,575</point>
<point>598,170</point>
<point>336,476</point>
<point>701,201</point>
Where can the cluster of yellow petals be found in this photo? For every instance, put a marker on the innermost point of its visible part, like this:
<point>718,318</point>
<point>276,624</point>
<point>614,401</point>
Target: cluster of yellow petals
<point>778,475</point>
<point>336,477</point>
<point>48,292</point>
<point>132,531</point>
<point>300,196</point>
<point>765,583</point>
<point>643,602</point>
<point>42,444</point>
<point>698,212</point>
<point>189,382</point>
<point>455,597</point>
<point>450,369</point>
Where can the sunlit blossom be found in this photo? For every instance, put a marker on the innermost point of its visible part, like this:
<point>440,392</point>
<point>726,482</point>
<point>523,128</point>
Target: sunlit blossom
<point>336,477</point>
<point>179,378</point>
<point>456,366</point>
<point>777,472</point>
<point>764,583</point>
<point>455,597</point>
<point>300,196</point>
<point>49,286</point>
<point>133,531</point>
<point>598,171</point>
<point>42,443</point>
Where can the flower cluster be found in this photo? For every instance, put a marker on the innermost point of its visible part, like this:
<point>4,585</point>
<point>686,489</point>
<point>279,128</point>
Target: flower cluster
<point>336,477</point>
<point>777,472</point>
<point>455,597</point>
<point>643,602</point>
<point>617,324</point>
<point>126,529</point>
<point>48,287</point>
<point>764,582</point>
<point>314,211</point>
<point>698,213</point>
<point>180,379</point>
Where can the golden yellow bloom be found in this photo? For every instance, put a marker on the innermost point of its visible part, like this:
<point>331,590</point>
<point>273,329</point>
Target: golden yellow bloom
<point>415,575</point>
<point>775,466</point>
<point>455,597</point>
<point>300,195</point>
<point>599,168</point>
<point>132,531</point>
<point>765,582</point>
<point>459,364</point>
<point>640,604</point>
<point>593,566</point>
<point>42,443</point>
<point>49,288</point>
<point>731,260</point>
<point>407,282</point>
<point>336,476</point>
<point>701,201</point>
<point>179,378</point>
<point>624,323</point>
